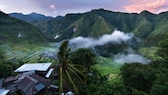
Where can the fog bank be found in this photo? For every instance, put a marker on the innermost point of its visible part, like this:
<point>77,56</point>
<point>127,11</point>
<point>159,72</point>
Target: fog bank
<point>130,58</point>
<point>116,37</point>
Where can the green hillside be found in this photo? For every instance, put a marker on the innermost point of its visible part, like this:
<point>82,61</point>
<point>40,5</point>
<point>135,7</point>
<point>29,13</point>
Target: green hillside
<point>20,40</point>
<point>14,30</point>
<point>91,24</point>
<point>57,25</point>
<point>148,26</point>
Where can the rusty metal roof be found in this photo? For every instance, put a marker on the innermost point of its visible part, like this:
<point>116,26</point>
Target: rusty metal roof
<point>31,85</point>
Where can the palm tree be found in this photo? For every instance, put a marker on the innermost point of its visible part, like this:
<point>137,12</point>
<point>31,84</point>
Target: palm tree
<point>67,70</point>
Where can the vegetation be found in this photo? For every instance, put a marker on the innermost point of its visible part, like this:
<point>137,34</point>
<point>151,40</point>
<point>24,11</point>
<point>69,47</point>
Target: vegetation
<point>149,52</point>
<point>99,75</point>
<point>149,78</point>
<point>6,68</point>
<point>105,76</point>
<point>32,17</point>
<point>138,76</point>
<point>16,31</point>
<point>147,26</point>
<point>67,71</point>
<point>83,57</point>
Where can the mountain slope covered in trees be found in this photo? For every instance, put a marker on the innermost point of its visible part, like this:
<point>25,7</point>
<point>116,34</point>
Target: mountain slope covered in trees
<point>148,26</point>
<point>14,30</point>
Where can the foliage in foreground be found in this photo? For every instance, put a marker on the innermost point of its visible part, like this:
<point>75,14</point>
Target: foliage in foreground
<point>136,78</point>
<point>150,78</point>
<point>67,70</point>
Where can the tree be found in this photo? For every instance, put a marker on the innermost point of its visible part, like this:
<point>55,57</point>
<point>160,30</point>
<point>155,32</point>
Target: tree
<point>159,89</point>
<point>83,57</point>
<point>160,86</point>
<point>163,51</point>
<point>2,57</point>
<point>67,70</point>
<point>138,76</point>
<point>5,69</point>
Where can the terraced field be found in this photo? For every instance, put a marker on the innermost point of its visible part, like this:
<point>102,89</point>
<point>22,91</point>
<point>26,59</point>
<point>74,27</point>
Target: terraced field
<point>149,52</point>
<point>25,53</point>
<point>108,68</point>
<point>32,53</point>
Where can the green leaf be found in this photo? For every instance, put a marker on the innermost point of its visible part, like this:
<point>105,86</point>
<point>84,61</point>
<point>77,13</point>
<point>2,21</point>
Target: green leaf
<point>74,86</point>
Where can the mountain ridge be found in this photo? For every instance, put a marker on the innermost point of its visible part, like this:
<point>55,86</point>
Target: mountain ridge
<point>32,17</point>
<point>95,23</point>
<point>14,31</point>
<point>149,27</point>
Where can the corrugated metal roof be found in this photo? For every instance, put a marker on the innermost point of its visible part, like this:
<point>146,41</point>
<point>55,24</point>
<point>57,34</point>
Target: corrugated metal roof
<point>10,79</point>
<point>49,73</point>
<point>33,67</point>
<point>32,84</point>
<point>4,92</point>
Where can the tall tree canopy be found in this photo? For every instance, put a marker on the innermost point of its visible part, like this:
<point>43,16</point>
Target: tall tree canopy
<point>83,57</point>
<point>67,70</point>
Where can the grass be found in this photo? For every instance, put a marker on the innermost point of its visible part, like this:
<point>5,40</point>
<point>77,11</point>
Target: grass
<point>105,70</point>
<point>149,52</point>
<point>106,67</point>
<point>25,52</point>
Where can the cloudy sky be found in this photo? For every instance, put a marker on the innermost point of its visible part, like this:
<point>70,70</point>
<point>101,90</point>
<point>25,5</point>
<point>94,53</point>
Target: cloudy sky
<point>62,7</point>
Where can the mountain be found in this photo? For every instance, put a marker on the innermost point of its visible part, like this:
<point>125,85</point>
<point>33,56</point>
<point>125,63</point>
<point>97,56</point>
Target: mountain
<point>14,30</point>
<point>32,17</point>
<point>58,24</point>
<point>149,27</point>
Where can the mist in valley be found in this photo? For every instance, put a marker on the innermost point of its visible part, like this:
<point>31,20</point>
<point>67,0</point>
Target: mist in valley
<point>119,46</point>
<point>107,46</point>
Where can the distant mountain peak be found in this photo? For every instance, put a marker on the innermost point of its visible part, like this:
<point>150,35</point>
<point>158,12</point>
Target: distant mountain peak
<point>32,17</point>
<point>36,14</point>
<point>146,12</point>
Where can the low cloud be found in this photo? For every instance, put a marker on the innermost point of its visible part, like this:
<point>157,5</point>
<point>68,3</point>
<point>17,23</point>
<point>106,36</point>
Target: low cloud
<point>128,55</point>
<point>115,37</point>
<point>130,58</point>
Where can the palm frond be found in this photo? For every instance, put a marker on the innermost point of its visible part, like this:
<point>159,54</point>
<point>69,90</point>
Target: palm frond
<point>79,76</point>
<point>70,78</point>
<point>78,73</point>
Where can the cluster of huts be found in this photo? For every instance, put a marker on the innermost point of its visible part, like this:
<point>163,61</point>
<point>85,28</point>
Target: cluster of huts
<point>32,79</point>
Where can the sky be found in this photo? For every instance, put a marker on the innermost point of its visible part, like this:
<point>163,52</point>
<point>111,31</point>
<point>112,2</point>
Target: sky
<point>62,7</point>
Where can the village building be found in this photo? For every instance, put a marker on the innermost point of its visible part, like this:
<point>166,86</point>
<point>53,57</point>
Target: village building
<point>33,67</point>
<point>4,92</point>
<point>42,69</point>
<point>32,79</point>
<point>33,85</point>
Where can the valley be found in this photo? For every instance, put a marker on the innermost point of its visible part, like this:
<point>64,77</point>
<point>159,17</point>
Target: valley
<point>100,41</point>
<point>117,40</point>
